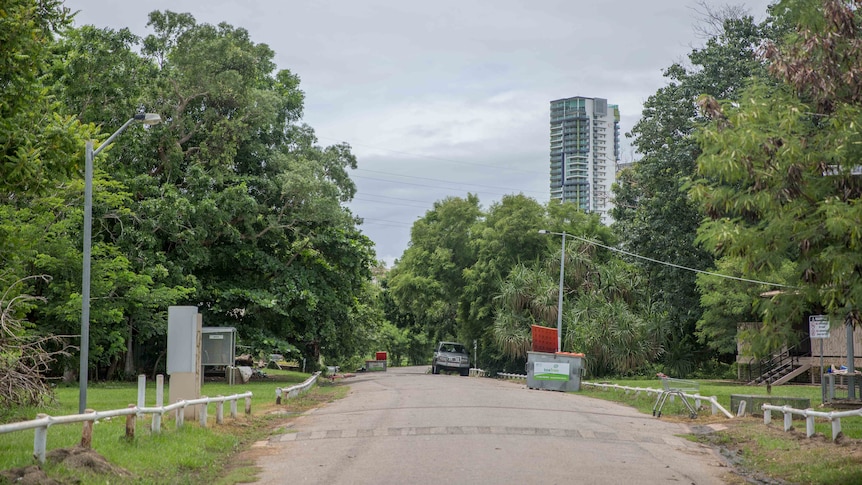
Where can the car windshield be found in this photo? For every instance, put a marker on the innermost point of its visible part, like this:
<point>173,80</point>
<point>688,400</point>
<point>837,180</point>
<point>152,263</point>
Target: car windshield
<point>455,348</point>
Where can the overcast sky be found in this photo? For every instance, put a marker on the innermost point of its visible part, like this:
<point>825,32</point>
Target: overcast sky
<point>448,97</point>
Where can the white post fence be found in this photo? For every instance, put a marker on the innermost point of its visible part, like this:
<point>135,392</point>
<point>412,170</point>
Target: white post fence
<point>504,375</point>
<point>43,421</point>
<point>295,390</point>
<point>834,417</point>
<point>714,405</point>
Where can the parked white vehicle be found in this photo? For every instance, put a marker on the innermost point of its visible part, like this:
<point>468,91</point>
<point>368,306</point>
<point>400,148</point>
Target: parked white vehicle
<point>451,356</point>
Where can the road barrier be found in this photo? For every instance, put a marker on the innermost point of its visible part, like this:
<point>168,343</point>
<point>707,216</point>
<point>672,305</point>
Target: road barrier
<point>295,390</point>
<point>44,421</point>
<point>834,417</point>
<point>715,406</point>
<point>504,375</point>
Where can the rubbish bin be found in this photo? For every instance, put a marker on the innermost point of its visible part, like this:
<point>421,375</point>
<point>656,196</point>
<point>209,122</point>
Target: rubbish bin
<point>559,371</point>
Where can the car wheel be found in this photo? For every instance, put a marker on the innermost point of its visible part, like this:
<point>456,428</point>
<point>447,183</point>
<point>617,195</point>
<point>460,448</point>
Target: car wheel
<point>434,369</point>
<point>465,372</point>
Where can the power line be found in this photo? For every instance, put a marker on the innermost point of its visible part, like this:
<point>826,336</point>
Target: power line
<point>419,185</point>
<point>427,203</point>
<point>385,222</point>
<point>383,202</point>
<point>679,266</point>
<point>447,181</point>
<point>428,156</point>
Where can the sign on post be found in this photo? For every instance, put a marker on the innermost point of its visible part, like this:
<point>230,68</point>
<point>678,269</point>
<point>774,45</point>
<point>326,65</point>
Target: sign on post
<point>818,326</point>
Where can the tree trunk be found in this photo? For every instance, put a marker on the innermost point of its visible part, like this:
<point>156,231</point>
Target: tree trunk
<point>130,353</point>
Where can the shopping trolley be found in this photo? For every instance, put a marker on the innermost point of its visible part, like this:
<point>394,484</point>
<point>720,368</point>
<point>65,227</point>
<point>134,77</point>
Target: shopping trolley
<point>676,387</point>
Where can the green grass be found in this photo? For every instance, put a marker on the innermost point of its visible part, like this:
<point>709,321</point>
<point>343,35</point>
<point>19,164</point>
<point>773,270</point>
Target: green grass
<point>199,454</point>
<point>851,426</point>
<point>760,448</point>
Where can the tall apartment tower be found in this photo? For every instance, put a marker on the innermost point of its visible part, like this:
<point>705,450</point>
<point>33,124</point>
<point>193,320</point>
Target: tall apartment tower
<point>585,150</point>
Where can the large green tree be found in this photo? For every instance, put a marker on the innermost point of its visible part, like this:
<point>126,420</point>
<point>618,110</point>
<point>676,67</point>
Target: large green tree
<point>605,310</point>
<point>39,140</point>
<point>779,169</point>
<point>230,196</point>
<point>654,216</point>
<point>428,280</point>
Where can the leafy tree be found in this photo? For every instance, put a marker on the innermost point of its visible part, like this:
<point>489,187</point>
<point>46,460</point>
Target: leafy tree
<point>653,215</point>
<point>230,196</point>
<point>777,173</point>
<point>603,314</point>
<point>264,230</point>
<point>418,343</point>
<point>428,280</point>
<point>39,144</point>
<point>507,235</point>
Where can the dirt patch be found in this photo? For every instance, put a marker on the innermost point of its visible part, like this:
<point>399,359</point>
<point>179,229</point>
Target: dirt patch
<point>744,442</point>
<point>76,458</point>
<point>31,475</point>
<point>85,459</point>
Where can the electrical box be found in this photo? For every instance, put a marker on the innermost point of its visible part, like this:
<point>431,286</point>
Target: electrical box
<point>183,335</point>
<point>218,345</point>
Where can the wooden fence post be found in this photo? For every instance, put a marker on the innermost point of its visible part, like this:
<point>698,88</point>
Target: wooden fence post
<point>220,412</point>
<point>233,408</point>
<point>87,432</point>
<point>247,405</point>
<point>130,425</point>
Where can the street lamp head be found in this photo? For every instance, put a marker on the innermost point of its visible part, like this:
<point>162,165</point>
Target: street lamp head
<point>543,231</point>
<point>148,118</point>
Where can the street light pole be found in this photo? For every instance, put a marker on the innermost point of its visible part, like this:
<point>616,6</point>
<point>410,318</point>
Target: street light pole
<point>89,156</point>
<point>560,296</point>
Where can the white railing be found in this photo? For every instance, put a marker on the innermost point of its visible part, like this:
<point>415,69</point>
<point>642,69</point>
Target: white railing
<point>834,417</point>
<point>715,406</point>
<point>511,376</point>
<point>295,390</point>
<point>43,421</point>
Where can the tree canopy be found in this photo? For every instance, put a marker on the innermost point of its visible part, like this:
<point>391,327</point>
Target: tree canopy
<point>654,216</point>
<point>229,204</point>
<point>778,173</point>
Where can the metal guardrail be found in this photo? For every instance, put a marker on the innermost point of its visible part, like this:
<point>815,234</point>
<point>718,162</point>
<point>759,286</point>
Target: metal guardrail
<point>511,376</point>
<point>295,390</point>
<point>715,406</point>
<point>834,417</point>
<point>44,421</point>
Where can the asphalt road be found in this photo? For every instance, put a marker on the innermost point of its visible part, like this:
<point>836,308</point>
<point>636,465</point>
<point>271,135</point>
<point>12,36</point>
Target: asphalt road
<point>407,426</point>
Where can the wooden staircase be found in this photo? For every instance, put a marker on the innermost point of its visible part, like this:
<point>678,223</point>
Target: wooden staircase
<point>777,370</point>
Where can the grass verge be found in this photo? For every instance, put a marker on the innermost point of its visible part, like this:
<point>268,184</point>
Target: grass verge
<point>759,452</point>
<point>190,455</point>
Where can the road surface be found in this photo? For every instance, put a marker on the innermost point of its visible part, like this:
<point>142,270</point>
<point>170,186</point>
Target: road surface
<point>407,426</point>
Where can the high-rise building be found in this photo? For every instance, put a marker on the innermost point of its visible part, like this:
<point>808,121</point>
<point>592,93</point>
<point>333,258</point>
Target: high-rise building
<point>585,149</point>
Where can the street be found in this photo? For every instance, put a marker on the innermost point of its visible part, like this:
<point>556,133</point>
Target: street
<point>408,426</point>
